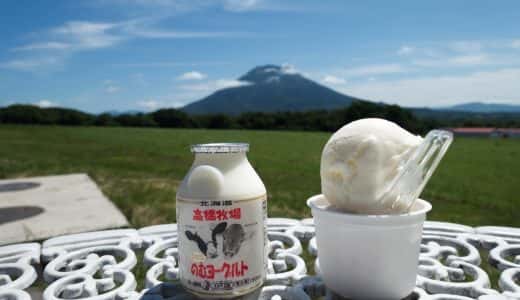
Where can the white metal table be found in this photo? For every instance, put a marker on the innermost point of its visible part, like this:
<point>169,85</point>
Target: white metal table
<point>100,265</point>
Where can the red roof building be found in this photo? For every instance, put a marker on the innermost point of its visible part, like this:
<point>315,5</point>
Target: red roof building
<point>485,131</point>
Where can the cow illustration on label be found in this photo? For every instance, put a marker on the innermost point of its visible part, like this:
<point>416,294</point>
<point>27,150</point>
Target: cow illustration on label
<point>233,238</point>
<point>227,239</point>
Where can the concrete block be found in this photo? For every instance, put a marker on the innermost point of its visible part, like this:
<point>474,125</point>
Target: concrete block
<point>41,207</point>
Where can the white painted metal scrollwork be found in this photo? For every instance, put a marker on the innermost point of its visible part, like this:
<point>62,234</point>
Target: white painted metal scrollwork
<point>89,261</point>
<point>17,269</point>
<point>163,265</point>
<point>12,294</point>
<point>113,284</point>
<point>54,247</point>
<point>99,265</point>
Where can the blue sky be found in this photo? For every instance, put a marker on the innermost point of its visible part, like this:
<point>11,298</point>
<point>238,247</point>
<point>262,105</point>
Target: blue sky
<point>101,55</point>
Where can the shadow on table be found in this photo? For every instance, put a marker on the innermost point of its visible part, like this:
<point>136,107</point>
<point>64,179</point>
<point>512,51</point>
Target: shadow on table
<point>16,213</point>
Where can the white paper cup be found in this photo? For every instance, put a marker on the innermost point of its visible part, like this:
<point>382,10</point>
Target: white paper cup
<point>368,256</point>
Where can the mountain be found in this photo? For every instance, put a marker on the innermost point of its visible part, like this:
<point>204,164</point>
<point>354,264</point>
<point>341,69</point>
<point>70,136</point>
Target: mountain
<point>270,88</point>
<point>456,118</point>
<point>480,107</point>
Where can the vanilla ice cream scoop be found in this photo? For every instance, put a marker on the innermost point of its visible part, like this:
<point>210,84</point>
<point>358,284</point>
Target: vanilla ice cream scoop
<point>359,163</point>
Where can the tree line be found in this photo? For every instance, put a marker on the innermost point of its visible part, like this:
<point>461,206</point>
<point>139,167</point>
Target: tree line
<point>315,120</point>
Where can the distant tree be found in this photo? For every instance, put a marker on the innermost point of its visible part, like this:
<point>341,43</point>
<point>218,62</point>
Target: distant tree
<point>66,116</point>
<point>21,114</point>
<point>221,122</point>
<point>171,118</point>
<point>257,120</point>
<point>29,114</point>
<point>105,119</point>
<point>136,120</point>
<point>402,117</point>
<point>418,121</point>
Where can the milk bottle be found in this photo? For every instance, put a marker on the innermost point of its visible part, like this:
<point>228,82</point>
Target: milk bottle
<point>221,218</point>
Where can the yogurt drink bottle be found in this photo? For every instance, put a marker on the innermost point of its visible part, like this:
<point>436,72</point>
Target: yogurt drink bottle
<point>221,218</point>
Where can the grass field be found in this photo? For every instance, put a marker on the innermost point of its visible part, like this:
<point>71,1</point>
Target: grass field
<point>139,169</point>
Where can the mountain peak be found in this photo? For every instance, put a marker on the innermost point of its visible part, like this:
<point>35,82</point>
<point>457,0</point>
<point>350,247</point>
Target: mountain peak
<point>269,74</point>
<point>273,88</point>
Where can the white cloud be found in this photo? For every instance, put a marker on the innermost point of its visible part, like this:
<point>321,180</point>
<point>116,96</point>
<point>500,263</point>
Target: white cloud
<point>187,93</point>
<point>83,35</point>
<point>173,34</point>
<point>467,46</point>
<point>154,104</point>
<point>57,42</point>
<point>112,89</point>
<point>333,80</point>
<point>148,28</point>
<point>211,86</point>
<point>182,98</point>
<point>240,5</point>
<point>289,69</point>
<point>457,55</point>
<point>455,61</point>
<point>150,104</point>
<point>192,75</point>
<point>192,5</point>
<point>45,103</point>
<point>110,86</point>
<point>172,64</point>
<point>461,47</point>
<point>381,69</point>
<point>139,79</point>
<point>75,36</point>
<point>44,46</point>
<point>405,50</point>
<point>228,83</point>
<point>493,86</point>
<point>471,60</point>
<point>271,70</point>
<point>175,3</point>
<point>30,64</point>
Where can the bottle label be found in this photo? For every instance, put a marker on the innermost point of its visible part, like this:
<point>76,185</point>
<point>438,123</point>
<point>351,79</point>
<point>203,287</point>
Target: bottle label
<point>222,245</point>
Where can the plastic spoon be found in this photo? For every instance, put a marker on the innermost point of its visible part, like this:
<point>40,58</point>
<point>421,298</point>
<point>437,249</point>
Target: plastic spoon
<point>417,170</point>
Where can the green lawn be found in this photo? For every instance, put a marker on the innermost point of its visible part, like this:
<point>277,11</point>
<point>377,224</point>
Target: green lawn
<point>139,169</point>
